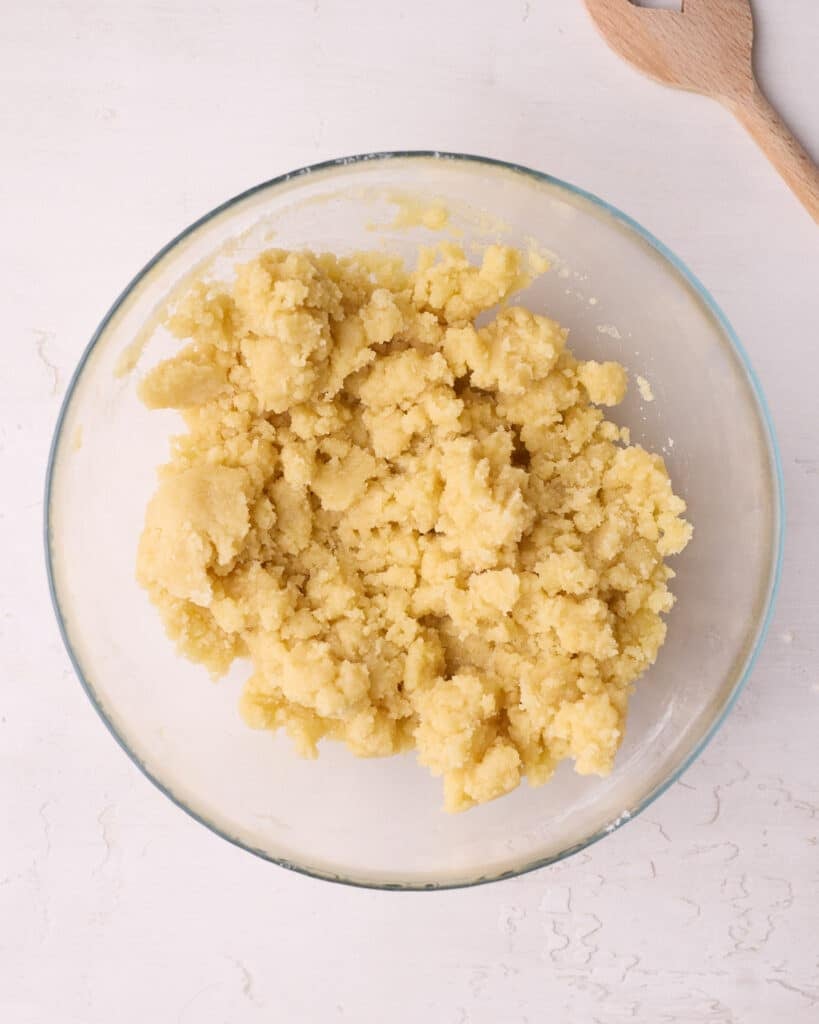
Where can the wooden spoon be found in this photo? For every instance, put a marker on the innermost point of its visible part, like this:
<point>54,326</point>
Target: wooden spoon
<point>706,47</point>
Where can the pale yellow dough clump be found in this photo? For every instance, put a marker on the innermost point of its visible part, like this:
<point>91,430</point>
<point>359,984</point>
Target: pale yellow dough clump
<point>422,533</point>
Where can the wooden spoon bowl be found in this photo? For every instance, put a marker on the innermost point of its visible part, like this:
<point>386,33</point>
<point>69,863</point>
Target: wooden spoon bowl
<point>707,48</point>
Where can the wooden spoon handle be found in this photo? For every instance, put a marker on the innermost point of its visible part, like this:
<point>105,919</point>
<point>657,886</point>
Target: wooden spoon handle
<point>781,147</point>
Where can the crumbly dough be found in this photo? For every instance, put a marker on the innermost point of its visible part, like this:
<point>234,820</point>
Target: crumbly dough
<point>422,533</point>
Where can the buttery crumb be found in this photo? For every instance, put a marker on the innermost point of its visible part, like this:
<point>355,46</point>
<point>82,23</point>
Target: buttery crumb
<point>610,330</point>
<point>644,388</point>
<point>412,212</point>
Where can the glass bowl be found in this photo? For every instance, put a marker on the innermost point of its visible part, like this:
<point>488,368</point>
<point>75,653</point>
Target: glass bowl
<point>379,823</point>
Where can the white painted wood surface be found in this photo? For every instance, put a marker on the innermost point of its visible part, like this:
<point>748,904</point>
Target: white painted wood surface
<point>119,123</point>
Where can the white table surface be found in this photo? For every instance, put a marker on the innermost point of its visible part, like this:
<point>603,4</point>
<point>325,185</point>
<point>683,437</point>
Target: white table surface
<point>119,123</point>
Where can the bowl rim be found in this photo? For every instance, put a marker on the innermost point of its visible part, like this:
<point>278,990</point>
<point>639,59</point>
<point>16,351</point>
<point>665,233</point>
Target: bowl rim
<point>778,532</point>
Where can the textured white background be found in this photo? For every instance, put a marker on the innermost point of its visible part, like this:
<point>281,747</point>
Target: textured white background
<point>119,123</point>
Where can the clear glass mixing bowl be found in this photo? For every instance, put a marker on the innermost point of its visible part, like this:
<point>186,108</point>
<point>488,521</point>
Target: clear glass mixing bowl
<point>379,822</point>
